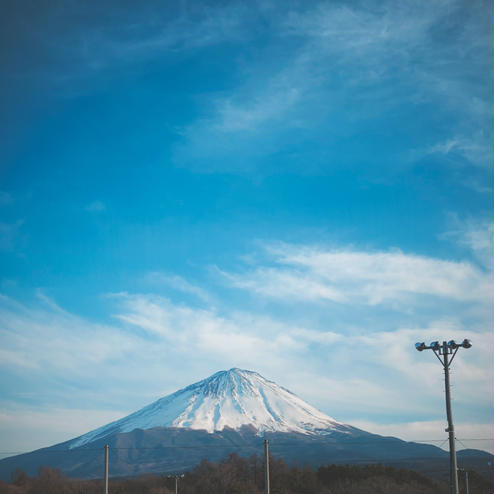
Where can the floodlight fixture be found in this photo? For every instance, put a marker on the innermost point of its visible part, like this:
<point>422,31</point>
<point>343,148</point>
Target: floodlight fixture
<point>435,346</point>
<point>443,352</point>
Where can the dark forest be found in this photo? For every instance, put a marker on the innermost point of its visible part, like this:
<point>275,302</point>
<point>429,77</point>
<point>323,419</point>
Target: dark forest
<point>237,475</point>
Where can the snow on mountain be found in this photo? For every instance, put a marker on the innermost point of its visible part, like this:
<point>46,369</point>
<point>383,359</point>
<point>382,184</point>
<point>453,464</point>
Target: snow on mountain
<point>232,398</point>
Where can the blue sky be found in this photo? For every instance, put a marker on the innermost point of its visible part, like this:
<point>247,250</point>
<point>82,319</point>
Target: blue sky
<point>303,189</point>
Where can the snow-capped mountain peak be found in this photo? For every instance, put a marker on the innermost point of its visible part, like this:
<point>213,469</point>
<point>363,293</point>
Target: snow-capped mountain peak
<point>232,398</point>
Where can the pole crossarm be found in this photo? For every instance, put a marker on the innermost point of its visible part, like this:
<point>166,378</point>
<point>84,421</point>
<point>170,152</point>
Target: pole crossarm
<point>438,357</point>
<point>454,353</point>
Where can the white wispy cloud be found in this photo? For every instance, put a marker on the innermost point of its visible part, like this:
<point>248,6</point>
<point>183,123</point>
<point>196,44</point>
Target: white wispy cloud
<point>177,283</point>
<point>148,37</point>
<point>348,276</point>
<point>472,370</point>
<point>476,149</point>
<point>276,100</point>
<point>343,62</point>
<point>42,336</point>
<point>476,235</point>
<point>236,337</point>
<point>142,34</point>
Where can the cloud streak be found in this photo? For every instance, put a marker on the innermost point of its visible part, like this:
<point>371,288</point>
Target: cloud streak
<point>95,44</point>
<point>346,276</point>
<point>344,62</point>
<point>178,283</point>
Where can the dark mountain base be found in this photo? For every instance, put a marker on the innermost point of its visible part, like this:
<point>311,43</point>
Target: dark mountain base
<point>168,450</point>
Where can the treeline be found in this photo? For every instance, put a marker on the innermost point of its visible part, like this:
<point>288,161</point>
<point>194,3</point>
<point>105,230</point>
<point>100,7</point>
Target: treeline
<point>237,475</point>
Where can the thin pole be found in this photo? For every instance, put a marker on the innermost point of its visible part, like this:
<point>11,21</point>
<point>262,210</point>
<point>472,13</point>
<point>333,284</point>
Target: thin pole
<point>266,467</point>
<point>453,468</point>
<point>176,484</point>
<point>467,490</point>
<point>106,467</point>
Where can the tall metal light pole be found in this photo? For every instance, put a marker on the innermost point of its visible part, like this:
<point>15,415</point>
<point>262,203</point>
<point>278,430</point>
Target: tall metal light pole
<point>445,350</point>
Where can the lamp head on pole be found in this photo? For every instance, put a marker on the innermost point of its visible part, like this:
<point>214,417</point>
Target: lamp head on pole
<point>435,345</point>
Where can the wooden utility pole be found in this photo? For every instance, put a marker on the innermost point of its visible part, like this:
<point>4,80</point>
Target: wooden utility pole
<point>445,350</point>
<point>266,467</point>
<point>106,467</point>
<point>453,467</point>
<point>467,490</point>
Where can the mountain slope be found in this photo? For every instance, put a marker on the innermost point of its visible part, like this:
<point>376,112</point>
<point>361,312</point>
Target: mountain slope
<point>232,398</point>
<point>172,450</point>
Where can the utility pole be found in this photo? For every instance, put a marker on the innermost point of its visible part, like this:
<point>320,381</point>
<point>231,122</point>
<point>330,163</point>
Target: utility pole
<point>266,467</point>
<point>453,467</point>
<point>176,477</point>
<point>467,490</point>
<point>444,351</point>
<point>106,467</point>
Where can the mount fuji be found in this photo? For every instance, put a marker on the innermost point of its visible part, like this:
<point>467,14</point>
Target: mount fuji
<point>233,399</point>
<point>230,411</point>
